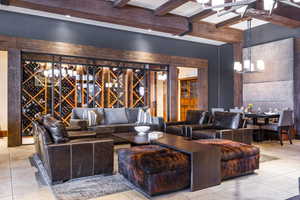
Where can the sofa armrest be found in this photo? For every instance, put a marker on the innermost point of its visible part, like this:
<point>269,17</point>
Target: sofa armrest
<point>158,121</point>
<point>176,123</point>
<point>243,135</point>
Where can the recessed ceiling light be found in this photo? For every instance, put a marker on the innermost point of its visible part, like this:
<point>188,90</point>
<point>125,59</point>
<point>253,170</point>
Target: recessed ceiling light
<point>68,16</point>
<point>176,36</point>
<point>149,30</point>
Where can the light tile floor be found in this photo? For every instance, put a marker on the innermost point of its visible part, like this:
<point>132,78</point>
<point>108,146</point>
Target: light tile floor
<point>277,179</point>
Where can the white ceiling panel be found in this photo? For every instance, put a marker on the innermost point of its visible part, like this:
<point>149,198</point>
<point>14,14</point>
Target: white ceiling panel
<point>108,25</point>
<point>150,4</point>
<point>215,19</point>
<point>188,9</point>
<point>254,23</point>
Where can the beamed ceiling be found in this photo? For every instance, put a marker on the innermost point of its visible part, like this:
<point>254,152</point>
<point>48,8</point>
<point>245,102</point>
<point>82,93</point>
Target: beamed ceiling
<point>177,17</point>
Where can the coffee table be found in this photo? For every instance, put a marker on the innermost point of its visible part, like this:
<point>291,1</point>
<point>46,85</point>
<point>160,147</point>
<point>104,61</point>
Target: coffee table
<point>205,159</point>
<point>133,138</point>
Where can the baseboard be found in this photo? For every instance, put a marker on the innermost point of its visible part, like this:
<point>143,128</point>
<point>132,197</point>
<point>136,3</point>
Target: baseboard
<point>3,133</point>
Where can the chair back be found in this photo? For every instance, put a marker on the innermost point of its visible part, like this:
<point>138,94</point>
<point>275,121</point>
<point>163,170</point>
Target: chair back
<point>236,110</point>
<point>286,118</point>
<point>213,110</point>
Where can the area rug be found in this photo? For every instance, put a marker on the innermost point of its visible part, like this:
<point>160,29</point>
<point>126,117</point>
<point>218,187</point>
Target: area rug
<point>267,158</point>
<point>91,187</point>
<point>84,188</point>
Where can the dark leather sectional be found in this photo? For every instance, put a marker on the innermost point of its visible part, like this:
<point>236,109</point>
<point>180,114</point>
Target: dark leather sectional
<point>115,120</point>
<point>226,125</point>
<point>193,117</point>
<point>65,158</point>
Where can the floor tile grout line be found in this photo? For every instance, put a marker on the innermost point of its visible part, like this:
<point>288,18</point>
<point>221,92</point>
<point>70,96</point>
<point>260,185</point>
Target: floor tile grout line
<point>10,173</point>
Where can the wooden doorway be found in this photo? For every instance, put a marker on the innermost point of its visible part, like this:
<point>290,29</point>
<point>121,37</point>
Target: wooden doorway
<point>188,96</point>
<point>188,82</point>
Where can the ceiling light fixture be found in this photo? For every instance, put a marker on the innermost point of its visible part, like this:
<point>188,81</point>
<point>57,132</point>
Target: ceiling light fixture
<point>68,16</point>
<point>217,3</point>
<point>248,66</point>
<point>269,4</point>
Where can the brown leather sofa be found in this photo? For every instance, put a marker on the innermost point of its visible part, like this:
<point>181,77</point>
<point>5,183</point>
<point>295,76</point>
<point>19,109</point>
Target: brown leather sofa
<point>65,158</point>
<point>226,125</point>
<point>193,117</point>
<point>114,120</point>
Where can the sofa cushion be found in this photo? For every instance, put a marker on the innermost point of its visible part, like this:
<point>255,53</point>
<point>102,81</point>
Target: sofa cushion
<point>232,150</point>
<point>205,134</point>
<point>196,116</point>
<point>114,128</point>
<point>176,129</point>
<point>115,116</point>
<point>82,113</point>
<point>132,114</point>
<point>227,120</point>
<point>56,129</point>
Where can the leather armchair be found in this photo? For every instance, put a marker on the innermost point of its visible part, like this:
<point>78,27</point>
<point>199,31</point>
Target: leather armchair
<point>74,158</point>
<point>225,125</point>
<point>193,117</point>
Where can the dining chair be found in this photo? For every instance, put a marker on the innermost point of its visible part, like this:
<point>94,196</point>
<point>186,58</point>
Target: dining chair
<point>241,111</point>
<point>236,110</point>
<point>285,123</point>
<point>213,110</point>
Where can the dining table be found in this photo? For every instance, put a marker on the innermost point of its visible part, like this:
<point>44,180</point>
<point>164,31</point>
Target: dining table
<point>265,116</point>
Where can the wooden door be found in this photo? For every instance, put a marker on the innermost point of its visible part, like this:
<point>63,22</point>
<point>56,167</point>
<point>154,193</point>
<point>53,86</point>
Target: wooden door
<point>188,96</point>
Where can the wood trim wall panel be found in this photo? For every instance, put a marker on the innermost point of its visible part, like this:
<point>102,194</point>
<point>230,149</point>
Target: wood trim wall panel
<point>297,86</point>
<point>173,95</point>
<point>14,97</point>
<point>49,47</point>
<point>16,45</point>
<point>3,133</point>
<point>238,78</point>
<point>203,88</point>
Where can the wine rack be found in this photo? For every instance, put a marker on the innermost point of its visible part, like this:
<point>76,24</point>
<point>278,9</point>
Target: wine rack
<point>54,84</point>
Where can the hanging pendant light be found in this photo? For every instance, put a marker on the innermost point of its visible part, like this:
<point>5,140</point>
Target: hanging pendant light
<point>248,65</point>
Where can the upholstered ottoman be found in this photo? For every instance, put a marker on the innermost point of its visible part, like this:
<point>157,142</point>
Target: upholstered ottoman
<point>155,169</point>
<point>236,158</point>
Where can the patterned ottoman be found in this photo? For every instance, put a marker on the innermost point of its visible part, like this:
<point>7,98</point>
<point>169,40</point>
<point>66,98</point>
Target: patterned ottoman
<point>236,158</point>
<point>155,169</point>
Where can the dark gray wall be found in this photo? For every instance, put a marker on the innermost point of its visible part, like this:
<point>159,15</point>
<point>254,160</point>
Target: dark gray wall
<point>271,32</point>
<point>220,70</point>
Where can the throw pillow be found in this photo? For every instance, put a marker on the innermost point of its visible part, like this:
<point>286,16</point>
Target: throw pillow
<point>92,118</point>
<point>144,116</point>
<point>115,116</point>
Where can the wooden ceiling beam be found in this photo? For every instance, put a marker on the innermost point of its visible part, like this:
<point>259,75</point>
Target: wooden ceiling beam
<point>169,6</point>
<point>201,15</point>
<point>232,21</point>
<point>104,11</point>
<point>274,18</point>
<point>120,3</point>
<point>209,31</point>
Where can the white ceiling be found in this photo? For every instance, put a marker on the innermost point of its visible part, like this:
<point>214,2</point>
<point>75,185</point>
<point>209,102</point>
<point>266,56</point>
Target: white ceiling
<point>108,25</point>
<point>188,9</point>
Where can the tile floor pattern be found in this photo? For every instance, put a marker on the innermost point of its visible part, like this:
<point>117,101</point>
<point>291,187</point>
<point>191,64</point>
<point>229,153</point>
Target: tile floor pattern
<point>276,179</point>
